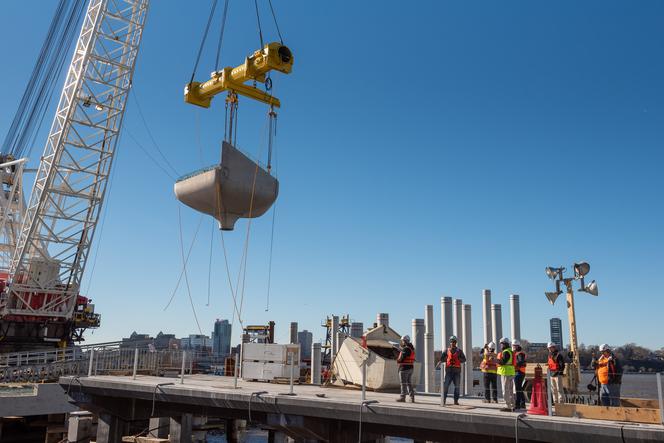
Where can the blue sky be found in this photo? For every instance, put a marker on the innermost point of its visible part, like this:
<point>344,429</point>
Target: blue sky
<point>426,150</point>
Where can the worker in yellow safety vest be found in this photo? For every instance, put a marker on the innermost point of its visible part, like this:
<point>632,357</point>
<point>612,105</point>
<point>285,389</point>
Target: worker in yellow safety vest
<point>489,368</point>
<point>506,371</point>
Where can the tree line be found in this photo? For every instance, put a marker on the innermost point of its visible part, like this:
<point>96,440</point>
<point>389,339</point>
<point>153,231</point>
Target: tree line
<point>634,358</point>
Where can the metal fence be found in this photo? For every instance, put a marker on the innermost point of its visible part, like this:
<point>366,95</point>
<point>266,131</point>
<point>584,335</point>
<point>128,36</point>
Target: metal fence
<point>106,359</point>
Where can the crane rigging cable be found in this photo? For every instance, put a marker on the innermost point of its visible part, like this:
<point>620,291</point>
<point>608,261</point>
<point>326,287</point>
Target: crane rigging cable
<point>221,35</point>
<point>200,189</point>
<point>40,87</point>
<point>205,34</point>
<point>147,129</point>
<point>258,19</point>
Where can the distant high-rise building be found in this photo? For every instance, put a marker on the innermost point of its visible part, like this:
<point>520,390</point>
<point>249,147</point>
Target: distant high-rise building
<point>221,338</point>
<point>305,338</point>
<point>197,342</point>
<point>556,332</point>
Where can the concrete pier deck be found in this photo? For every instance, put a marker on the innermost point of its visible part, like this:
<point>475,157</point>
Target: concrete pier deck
<point>335,414</point>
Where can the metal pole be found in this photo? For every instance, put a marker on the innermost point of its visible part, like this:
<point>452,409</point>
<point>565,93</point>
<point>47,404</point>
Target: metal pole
<point>486,315</point>
<point>92,357</point>
<point>659,395</point>
<point>135,363</point>
<point>574,369</point>
<point>463,380</point>
<point>549,391</point>
<point>442,382</point>
<point>364,381</point>
<point>292,370</point>
<point>184,357</point>
<point>315,363</point>
<point>235,369</point>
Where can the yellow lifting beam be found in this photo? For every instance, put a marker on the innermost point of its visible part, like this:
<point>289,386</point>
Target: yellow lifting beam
<point>274,56</point>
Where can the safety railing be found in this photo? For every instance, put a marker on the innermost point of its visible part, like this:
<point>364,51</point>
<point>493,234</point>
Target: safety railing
<point>104,359</point>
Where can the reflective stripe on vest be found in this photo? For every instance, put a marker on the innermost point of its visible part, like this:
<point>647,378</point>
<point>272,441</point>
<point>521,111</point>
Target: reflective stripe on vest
<point>453,360</point>
<point>489,364</point>
<point>508,368</point>
<point>521,369</point>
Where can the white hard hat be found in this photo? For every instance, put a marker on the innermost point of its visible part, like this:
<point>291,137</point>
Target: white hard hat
<point>551,345</point>
<point>491,345</point>
<point>453,338</point>
<point>505,340</point>
<point>604,347</point>
<point>406,338</point>
<point>516,343</point>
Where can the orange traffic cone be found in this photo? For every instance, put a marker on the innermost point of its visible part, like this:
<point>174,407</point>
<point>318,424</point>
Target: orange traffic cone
<point>538,403</point>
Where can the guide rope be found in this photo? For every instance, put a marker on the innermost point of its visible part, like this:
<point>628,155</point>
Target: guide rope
<point>191,247</point>
<point>184,269</point>
<point>147,129</point>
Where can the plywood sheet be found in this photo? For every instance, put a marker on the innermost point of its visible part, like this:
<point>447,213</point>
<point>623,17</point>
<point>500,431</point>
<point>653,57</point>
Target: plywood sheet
<point>636,415</point>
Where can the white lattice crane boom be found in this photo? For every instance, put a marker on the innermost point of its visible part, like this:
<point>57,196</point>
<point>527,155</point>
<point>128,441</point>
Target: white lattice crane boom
<point>68,194</point>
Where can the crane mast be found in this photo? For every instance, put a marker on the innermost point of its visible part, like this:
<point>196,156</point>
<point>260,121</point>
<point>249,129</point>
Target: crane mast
<point>52,248</point>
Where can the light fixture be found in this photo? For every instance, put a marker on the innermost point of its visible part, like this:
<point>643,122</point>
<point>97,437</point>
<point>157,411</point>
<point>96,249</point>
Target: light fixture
<point>581,269</point>
<point>591,289</point>
<point>552,296</point>
<point>552,272</point>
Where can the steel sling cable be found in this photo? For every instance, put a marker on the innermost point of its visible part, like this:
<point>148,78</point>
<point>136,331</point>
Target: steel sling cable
<point>9,144</point>
<point>258,19</point>
<point>55,66</point>
<point>221,35</point>
<point>276,25</point>
<point>205,34</point>
<point>39,88</point>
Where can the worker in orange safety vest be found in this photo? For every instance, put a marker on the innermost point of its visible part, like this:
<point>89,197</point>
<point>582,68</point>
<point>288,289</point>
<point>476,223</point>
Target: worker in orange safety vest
<point>609,374</point>
<point>452,359</point>
<point>406,361</point>
<point>520,374</point>
<point>489,367</point>
<point>556,365</point>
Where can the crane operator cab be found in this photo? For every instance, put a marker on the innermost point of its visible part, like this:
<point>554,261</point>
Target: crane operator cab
<point>238,187</point>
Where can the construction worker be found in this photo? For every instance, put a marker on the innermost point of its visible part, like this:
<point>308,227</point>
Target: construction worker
<point>489,366</point>
<point>406,359</point>
<point>609,374</point>
<point>452,359</point>
<point>556,365</point>
<point>506,371</point>
<point>520,374</point>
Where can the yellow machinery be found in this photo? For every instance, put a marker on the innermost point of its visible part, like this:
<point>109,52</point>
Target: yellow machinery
<point>273,56</point>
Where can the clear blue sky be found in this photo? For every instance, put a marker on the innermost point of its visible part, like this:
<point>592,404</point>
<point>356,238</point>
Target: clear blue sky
<point>426,150</point>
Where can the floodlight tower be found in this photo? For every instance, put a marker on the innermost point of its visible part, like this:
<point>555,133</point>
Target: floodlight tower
<point>581,269</point>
